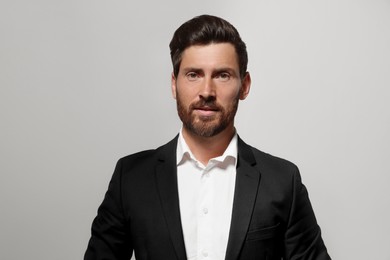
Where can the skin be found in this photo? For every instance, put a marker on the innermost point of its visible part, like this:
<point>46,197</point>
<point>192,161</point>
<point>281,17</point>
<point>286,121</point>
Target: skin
<point>207,90</point>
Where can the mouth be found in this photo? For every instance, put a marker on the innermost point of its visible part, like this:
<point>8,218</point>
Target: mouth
<point>206,110</point>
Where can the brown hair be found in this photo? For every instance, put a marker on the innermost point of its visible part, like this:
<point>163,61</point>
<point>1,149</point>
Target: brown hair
<point>203,30</point>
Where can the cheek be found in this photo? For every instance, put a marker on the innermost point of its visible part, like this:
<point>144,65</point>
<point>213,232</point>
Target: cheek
<point>183,98</point>
<point>186,95</point>
<point>230,97</point>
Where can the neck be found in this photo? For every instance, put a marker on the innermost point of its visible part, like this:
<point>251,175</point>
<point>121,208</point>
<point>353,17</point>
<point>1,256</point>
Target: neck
<point>206,148</point>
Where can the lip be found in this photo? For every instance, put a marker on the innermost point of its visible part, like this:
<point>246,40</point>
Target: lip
<point>206,111</point>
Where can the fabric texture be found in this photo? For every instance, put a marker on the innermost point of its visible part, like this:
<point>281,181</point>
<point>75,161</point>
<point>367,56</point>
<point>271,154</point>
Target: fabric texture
<point>272,218</point>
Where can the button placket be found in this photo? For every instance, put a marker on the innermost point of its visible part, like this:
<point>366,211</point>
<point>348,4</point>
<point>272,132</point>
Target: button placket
<point>205,220</point>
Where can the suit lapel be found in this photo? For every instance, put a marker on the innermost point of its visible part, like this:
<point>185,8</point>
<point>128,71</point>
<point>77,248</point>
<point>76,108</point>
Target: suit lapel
<point>247,182</point>
<point>166,179</point>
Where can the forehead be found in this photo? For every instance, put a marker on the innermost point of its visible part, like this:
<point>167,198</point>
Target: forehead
<point>212,55</point>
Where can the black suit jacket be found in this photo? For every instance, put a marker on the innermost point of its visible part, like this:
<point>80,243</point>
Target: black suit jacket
<point>272,216</point>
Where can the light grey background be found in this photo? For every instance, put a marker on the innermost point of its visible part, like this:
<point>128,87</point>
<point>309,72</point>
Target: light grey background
<point>83,83</point>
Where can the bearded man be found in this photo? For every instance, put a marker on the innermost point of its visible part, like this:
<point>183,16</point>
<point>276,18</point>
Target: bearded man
<point>206,194</point>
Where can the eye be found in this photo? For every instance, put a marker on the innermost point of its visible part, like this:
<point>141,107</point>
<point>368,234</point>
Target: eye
<point>192,76</point>
<point>223,76</point>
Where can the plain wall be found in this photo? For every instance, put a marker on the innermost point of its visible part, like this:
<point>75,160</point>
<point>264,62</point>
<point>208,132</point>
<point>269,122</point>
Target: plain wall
<point>83,83</point>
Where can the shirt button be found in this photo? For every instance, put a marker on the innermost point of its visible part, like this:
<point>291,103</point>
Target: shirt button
<point>204,253</point>
<point>205,210</point>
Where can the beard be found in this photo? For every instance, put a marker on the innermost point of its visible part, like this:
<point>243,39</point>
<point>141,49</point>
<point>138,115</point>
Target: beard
<point>206,126</point>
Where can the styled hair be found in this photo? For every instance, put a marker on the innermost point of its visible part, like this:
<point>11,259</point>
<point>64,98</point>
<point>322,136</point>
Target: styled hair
<point>204,30</point>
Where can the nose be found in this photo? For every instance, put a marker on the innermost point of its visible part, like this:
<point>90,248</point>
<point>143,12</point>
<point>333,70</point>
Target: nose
<point>207,90</point>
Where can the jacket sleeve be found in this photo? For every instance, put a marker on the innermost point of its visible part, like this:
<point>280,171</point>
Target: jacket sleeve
<point>303,239</point>
<point>110,239</point>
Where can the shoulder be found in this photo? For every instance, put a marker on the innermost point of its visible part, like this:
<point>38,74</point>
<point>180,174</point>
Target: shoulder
<point>137,158</point>
<point>278,175</point>
<point>273,162</point>
<point>264,160</point>
<point>148,159</point>
<point>275,171</point>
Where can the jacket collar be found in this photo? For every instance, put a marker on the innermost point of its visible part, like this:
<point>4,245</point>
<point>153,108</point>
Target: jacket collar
<point>166,181</point>
<point>247,183</point>
<point>245,193</point>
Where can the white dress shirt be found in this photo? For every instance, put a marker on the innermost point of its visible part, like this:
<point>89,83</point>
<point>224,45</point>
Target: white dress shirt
<point>206,200</point>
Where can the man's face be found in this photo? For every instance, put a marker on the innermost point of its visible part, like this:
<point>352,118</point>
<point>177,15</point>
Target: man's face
<point>208,88</point>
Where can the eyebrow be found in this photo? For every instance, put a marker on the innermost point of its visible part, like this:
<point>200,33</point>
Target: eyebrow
<point>225,69</point>
<point>193,69</point>
<point>215,71</point>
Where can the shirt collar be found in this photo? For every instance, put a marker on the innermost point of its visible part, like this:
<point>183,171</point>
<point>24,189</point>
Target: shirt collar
<point>184,153</point>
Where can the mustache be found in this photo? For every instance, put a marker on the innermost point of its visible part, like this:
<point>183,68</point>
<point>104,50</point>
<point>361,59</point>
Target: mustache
<point>206,104</point>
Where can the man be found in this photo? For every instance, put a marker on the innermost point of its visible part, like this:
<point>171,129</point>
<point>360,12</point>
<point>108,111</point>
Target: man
<point>206,194</point>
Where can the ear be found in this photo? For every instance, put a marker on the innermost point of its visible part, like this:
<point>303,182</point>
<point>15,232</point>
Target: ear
<point>173,85</point>
<point>245,86</point>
